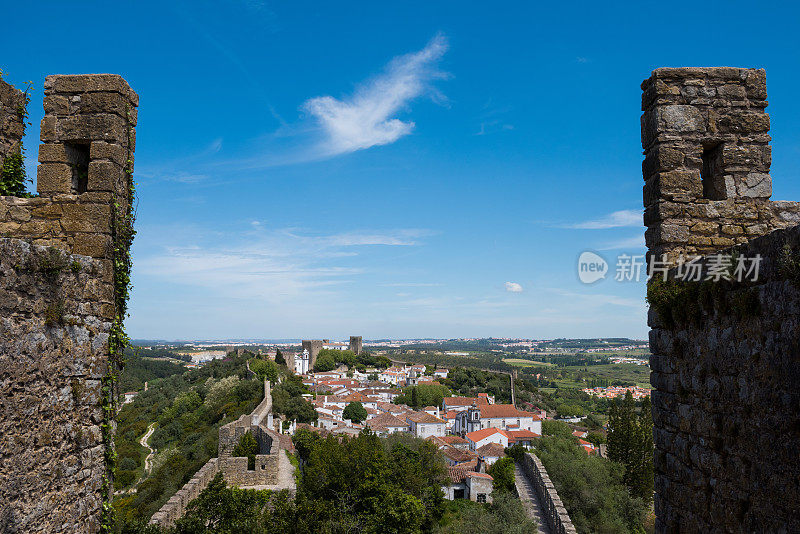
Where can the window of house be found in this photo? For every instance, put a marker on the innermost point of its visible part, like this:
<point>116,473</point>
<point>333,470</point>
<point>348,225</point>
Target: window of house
<point>458,493</point>
<point>481,497</point>
<point>712,173</point>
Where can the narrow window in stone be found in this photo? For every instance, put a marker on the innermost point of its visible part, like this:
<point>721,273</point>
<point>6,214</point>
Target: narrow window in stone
<point>712,173</point>
<point>78,160</point>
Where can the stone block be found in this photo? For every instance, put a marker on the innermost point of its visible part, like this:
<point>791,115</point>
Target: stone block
<point>88,218</point>
<point>56,105</point>
<point>106,102</point>
<point>746,122</point>
<point>94,245</point>
<point>89,83</point>
<point>111,151</point>
<point>105,176</point>
<point>681,118</point>
<point>756,185</point>
<point>96,127</point>
<point>54,178</point>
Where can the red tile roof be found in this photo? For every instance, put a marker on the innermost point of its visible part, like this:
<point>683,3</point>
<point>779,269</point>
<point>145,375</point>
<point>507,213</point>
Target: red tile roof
<point>494,450</point>
<point>522,435</point>
<point>478,435</point>
<point>465,401</point>
<point>453,440</point>
<point>385,421</point>
<point>459,472</point>
<point>423,417</point>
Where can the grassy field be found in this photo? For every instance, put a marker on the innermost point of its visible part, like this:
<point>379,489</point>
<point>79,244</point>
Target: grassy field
<point>629,372</point>
<point>519,362</point>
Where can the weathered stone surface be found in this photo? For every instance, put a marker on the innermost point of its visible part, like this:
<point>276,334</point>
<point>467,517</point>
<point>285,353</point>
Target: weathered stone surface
<point>54,178</point>
<point>50,410</point>
<point>57,306</point>
<point>726,407</point>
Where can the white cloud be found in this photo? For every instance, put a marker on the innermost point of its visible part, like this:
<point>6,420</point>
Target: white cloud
<point>367,118</point>
<point>513,287</point>
<point>268,264</point>
<point>617,219</point>
<point>628,242</point>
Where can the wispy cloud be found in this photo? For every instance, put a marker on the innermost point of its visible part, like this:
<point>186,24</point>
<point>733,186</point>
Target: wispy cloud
<point>617,219</point>
<point>628,242</point>
<point>513,287</point>
<point>268,264</point>
<point>368,118</point>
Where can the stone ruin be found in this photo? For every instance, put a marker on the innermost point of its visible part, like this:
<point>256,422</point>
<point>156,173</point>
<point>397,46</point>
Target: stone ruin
<point>58,303</point>
<point>726,355</point>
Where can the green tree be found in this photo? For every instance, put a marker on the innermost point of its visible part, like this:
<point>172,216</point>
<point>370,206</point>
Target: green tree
<point>222,509</point>
<point>247,447</point>
<point>325,362</point>
<point>414,397</point>
<point>630,442</point>
<point>264,369</point>
<point>355,411</point>
<point>279,359</point>
<point>502,471</point>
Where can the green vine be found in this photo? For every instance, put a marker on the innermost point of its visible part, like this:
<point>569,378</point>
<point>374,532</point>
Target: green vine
<point>123,216</point>
<point>678,302</point>
<point>13,176</point>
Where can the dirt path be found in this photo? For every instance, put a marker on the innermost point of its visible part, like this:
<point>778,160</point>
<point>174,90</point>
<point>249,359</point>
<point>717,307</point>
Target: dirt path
<point>148,461</point>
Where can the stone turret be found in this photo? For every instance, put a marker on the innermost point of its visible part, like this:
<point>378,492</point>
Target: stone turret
<point>59,302</point>
<point>705,134</point>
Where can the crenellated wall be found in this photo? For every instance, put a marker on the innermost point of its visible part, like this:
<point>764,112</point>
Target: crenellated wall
<point>726,353</point>
<point>705,134</point>
<point>59,302</point>
<point>234,469</point>
<point>555,514</point>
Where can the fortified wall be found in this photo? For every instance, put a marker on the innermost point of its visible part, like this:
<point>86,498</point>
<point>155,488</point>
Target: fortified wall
<point>234,469</point>
<point>62,302</point>
<point>553,510</point>
<point>726,351</point>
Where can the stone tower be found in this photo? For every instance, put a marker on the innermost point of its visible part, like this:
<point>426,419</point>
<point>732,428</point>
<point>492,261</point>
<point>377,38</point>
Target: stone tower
<point>724,364</point>
<point>313,346</point>
<point>355,344</point>
<point>705,134</point>
<point>63,287</point>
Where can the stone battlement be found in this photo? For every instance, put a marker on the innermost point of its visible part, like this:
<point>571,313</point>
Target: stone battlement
<point>234,469</point>
<point>724,364</point>
<point>705,134</point>
<point>59,301</point>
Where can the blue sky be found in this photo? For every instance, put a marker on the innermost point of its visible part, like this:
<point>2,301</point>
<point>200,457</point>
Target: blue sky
<point>414,169</point>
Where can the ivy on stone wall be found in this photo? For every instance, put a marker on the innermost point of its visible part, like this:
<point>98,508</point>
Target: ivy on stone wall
<point>678,302</point>
<point>123,217</point>
<point>12,173</point>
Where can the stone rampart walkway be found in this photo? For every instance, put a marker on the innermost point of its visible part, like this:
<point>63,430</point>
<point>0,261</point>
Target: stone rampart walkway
<point>527,494</point>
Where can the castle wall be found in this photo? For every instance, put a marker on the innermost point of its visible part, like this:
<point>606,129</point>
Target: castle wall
<point>234,469</point>
<point>725,366</point>
<point>726,403</point>
<point>356,344</point>
<point>12,119</point>
<point>58,303</point>
<point>313,346</point>
<point>553,510</point>
<point>705,134</point>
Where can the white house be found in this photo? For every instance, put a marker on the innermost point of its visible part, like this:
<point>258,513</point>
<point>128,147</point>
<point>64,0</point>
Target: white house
<point>504,416</point>
<point>479,438</point>
<point>385,423</point>
<point>424,424</point>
